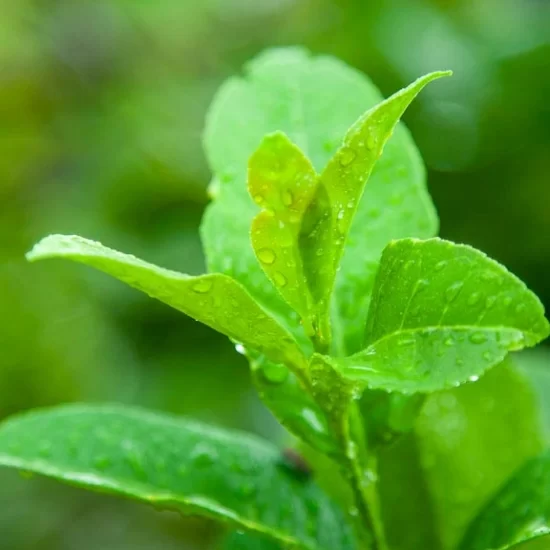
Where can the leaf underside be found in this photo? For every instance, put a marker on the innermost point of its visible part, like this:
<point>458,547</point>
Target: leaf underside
<point>178,464</point>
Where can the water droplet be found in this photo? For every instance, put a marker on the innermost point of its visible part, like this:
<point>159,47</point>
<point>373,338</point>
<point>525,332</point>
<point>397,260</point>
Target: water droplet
<point>266,256</point>
<point>274,373</point>
<point>453,291</point>
<point>440,265</point>
<point>473,378</point>
<point>279,279</point>
<point>473,299</point>
<point>371,142</point>
<point>350,204</point>
<point>353,511</point>
<point>487,356</point>
<point>239,348</point>
<point>347,156</point>
<point>319,252</point>
<point>449,342</point>
<point>287,198</point>
<point>403,342</point>
<point>340,214</point>
<point>520,308</point>
<point>203,455</point>
<point>490,301</point>
<point>507,300</point>
<point>259,199</point>
<point>487,276</point>
<point>478,338</point>
<point>459,361</point>
<point>202,286</point>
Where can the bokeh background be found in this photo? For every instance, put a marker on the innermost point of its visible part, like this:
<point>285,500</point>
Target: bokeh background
<point>102,104</point>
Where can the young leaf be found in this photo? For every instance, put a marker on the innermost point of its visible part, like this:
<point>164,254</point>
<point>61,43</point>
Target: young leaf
<point>470,440</point>
<point>216,300</point>
<point>282,182</point>
<point>441,314</point>
<point>518,512</point>
<point>179,464</point>
<point>280,91</point>
<point>343,181</point>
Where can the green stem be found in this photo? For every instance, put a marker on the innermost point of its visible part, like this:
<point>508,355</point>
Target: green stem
<point>363,479</point>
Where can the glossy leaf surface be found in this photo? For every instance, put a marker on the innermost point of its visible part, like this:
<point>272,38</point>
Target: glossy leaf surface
<point>282,182</point>
<point>470,440</point>
<point>280,92</point>
<point>343,181</point>
<point>441,314</point>
<point>175,463</point>
<point>216,300</point>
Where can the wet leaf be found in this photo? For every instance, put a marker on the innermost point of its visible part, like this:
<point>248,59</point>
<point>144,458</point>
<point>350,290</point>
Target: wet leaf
<point>470,441</point>
<point>441,315</point>
<point>282,182</point>
<point>177,464</point>
<point>280,92</point>
<point>246,541</point>
<point>216,300</point>
<point>343,180</point>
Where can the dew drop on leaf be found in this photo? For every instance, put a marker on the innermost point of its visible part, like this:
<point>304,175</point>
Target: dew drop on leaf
<point>371,142</point>
<point>202,286</point>
<point>279,279</point>
<point>266,256</point>
<point>453,291</point>
<point>473,299</point>
<point>478,338</point>
<point>347,156</point>
<point>449,342</point>
<point>487,356</point>
<point>239,348</point>
<point>440,265</point>
<point>287,198</point>
<point>276,374</point>
<point>203,455</point>
<point>473,378</point>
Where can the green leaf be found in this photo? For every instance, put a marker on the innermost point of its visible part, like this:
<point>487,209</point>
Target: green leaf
<point>282,182</point>
<point>470,440</point>
<point>216,300</point>
<point>175,463</point>
<point>343,180</point>
<point>519,511</point>
<point>280,92</point>
<point>538,542</point>
<point>441,314</point>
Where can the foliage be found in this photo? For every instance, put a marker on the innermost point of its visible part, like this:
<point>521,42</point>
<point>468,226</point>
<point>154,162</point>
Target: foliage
<point>326,277</point>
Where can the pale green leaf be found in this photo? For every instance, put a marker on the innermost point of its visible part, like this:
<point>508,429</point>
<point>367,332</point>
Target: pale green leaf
<point>343,180</point>
<point>517,512</point>
<point>216,300</point>
<point>282,182</point>
<point>441,314</point>
<point>280,92</point>
<point>177,464</point>
<point>470,440</point>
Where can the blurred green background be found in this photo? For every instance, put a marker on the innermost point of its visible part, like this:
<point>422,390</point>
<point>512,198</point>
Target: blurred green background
<point>102,104</point>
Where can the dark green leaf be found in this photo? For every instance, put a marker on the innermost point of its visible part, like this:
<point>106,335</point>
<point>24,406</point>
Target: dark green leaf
<point>518,512</point>
<point>343,180</point>
<point>246,541</point>
<point>470,440</point>
<point>441,314</point>
<point>216,300</point>
<point>175,463</point>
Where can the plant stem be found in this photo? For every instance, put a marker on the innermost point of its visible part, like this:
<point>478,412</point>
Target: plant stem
<point>363,480</point>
